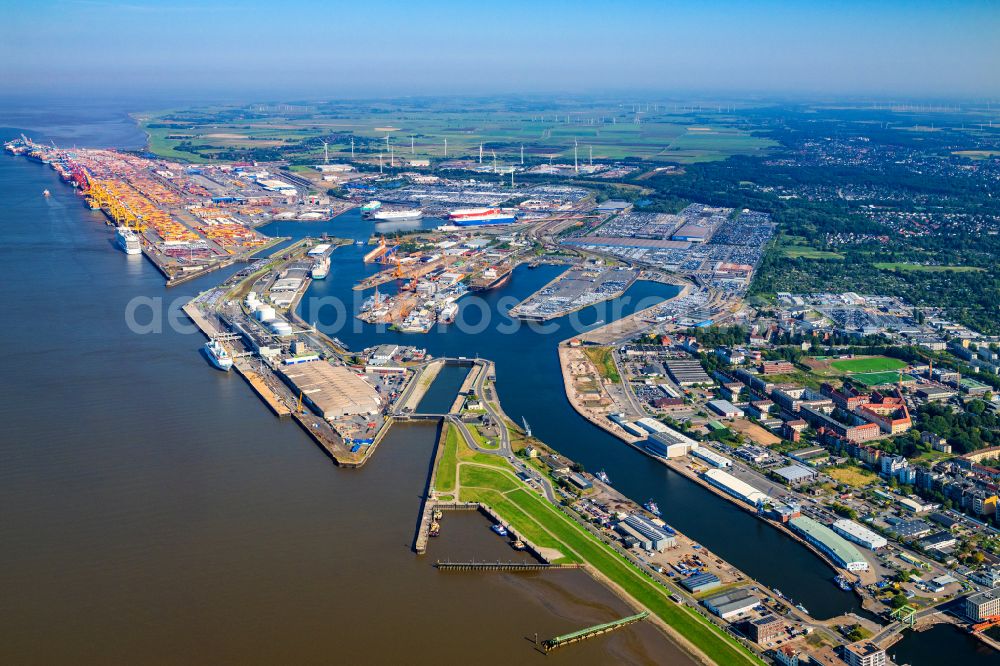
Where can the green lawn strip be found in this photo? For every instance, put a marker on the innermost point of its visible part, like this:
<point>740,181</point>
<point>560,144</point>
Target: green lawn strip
<point>713,642</point>
<point>447,464</point>
<point>605,363</point>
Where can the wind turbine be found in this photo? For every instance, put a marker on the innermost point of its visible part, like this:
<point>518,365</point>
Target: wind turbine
<point>326,153</point>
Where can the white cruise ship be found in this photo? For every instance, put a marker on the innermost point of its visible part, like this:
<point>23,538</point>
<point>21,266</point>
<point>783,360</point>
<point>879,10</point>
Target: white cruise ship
<point>128,240</point>
<point>218,355</point>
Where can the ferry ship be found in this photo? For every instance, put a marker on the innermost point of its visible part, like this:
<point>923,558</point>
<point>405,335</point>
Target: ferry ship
<point>320,269</point>
<point>398,215</point>
<point>128,240</point>
<point>218,355</point>
<point>475,217</point>
<point>652,507</point>
<point>499,529</point>
<point>370,207</point>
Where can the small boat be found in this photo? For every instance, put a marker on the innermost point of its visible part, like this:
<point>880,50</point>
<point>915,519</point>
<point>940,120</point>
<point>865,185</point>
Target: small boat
<point>435,529</point>
<point>517,544</point>
<point>46,193</point>
<point>499,529</point>
<point>603,477</point>
<point>437,515</point>
<point>652,507</point>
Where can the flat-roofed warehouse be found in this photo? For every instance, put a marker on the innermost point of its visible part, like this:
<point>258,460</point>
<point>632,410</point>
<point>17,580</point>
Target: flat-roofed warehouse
<point>687,372</point>
<point>333,390</point>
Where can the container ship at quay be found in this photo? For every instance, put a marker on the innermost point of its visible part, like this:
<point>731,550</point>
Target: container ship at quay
<point>476,217</point>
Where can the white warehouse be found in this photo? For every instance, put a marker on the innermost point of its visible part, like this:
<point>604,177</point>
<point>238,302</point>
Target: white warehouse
<point>859,534</point>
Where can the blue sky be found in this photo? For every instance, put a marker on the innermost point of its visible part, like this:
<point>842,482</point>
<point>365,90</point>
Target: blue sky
<point>377,47</point>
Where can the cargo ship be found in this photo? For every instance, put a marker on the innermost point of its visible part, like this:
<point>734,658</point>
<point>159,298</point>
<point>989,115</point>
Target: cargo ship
<point>398,215</point>
<point>370,207</point>
<point>320,269</point>
<point>218,355</point>
<point>475,217</point>
<point>127,240</point>
<point>447,313</point>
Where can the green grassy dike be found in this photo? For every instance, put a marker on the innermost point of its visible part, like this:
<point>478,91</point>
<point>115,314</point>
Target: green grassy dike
<point>548,527</point>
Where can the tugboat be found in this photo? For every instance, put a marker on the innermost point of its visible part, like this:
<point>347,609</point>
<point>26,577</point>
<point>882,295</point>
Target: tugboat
<point>651,507</point>
<point>499,529</point>
<point>802,608</point>
<point>602,476</point>
<point>842,583</point>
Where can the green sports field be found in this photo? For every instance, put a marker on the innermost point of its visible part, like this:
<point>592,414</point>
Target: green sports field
<point>869,365</point>
<point>876,378</point>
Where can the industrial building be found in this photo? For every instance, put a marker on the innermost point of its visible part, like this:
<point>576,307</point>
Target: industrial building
<point>982,605</point>
<point>651,425</point>
<point>725,409</point>
<point>731,604</point>
<point>334,391</point>
<point>713,459</point>
<point>701,582</point>
<point>687,372</point>
<point>795,475</point>
<point>838,549</point>
<point>647,534</point>
<point>733,486</point>
<point>859,534</point>
<point>670,444</point>
<point>942,540</point>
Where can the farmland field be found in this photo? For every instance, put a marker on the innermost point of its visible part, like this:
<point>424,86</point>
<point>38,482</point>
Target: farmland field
<point>609,130</point>
<point>868,364</point>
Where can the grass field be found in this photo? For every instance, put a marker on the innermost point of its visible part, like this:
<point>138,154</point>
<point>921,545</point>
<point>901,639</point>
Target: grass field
<point>868,364</point>
<point>601,358</point>
<point>920,268</point>
<point>876,378</point>
<point>852,476</point>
